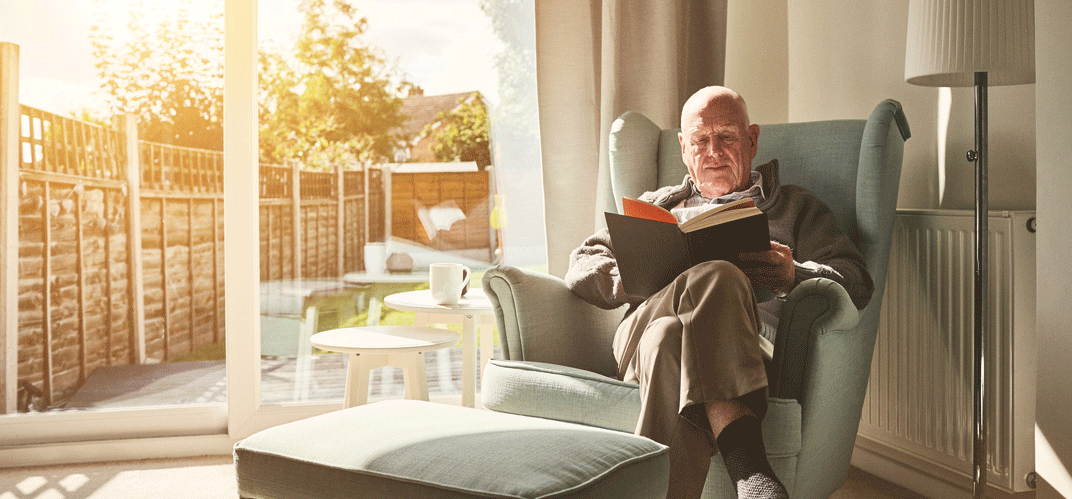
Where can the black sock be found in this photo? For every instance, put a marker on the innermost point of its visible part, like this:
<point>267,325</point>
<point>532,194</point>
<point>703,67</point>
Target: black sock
<point>741,446</point>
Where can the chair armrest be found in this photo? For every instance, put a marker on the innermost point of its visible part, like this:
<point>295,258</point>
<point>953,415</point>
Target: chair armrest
<point>816,307</point>
<point>541,320</point>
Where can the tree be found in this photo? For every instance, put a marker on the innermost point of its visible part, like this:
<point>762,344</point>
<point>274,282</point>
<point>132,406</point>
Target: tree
<point>335,99</point>
<point>166,69</point>
<point>463,134</point>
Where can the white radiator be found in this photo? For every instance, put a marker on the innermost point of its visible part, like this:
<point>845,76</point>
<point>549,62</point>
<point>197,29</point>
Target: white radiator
<point>918,408</point>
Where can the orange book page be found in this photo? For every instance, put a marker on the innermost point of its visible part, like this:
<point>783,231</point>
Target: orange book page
<point>639,209</point>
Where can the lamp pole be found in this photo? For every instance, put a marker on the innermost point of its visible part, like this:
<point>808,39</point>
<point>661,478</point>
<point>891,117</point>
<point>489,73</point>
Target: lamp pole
<point>978,156</point>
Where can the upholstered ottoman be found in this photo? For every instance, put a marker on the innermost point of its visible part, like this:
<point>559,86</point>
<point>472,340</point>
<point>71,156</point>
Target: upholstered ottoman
<point>415,449</point>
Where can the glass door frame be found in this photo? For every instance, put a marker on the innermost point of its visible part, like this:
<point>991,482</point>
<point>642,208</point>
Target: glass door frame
<point>209,429</point>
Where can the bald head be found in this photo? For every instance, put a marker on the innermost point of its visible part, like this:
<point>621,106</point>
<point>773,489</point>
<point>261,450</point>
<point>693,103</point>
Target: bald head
<point>719,97</point>
<point>718,142</point>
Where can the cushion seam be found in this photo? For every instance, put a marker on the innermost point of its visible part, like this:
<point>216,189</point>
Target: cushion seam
<point>521,366</point>
<point>646,455</point>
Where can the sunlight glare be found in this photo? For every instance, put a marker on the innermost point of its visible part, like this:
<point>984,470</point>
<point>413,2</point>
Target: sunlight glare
<point>1049,466</point>
<point>945,105</point>
<point>73,482</point>
<point>31,484</point>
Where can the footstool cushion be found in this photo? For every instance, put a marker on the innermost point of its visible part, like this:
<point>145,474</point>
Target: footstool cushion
<point>416,449</point>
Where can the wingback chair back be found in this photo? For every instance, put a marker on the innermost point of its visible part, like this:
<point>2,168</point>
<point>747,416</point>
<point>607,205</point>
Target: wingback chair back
<point>854,166</point>
<point>556,347</point>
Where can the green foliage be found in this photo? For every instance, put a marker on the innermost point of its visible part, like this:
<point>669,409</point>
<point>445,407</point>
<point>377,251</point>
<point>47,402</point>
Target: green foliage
<point>463,134</point>
<point>166,69</point>
<point>332,100</point>
<point>336,99</point>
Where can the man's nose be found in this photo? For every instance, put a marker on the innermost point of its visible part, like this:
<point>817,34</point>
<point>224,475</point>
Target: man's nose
<point>715,148</point>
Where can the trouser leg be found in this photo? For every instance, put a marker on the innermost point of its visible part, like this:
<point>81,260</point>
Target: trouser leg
<point>659,374</point>
<point>695,342</point>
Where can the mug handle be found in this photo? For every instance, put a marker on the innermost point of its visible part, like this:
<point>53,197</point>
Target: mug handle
<point>465,280</point>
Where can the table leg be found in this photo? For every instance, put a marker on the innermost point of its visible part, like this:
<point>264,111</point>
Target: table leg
<point>374,310</point>
<point>487,342</point>
<point>468,361</point>
<point>304,363</point>
<point>357,381</point>
<point>414,374</point>
<point>358,372</point>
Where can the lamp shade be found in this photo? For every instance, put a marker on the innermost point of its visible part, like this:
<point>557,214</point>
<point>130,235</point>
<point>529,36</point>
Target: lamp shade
<point>949,40</point>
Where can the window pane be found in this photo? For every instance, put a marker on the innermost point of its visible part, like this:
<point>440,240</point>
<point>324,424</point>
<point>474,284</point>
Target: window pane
<point>120,209</point>
<point>407,128</point>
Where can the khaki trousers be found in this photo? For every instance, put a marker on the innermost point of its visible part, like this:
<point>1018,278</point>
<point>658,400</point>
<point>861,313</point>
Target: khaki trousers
<point>694,341</point>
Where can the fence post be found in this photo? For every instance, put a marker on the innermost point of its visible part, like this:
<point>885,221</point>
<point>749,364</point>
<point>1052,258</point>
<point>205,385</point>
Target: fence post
<point>367,167</point>
<point>128,127</point>
<point>386,172</point>
<point>10,122</point>
<point>340,219</point>
<point>295,221</point>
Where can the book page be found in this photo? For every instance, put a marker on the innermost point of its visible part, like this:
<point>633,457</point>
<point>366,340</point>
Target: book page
<point>708,219</point>
<point>639,209</point>
<point>705,210</point>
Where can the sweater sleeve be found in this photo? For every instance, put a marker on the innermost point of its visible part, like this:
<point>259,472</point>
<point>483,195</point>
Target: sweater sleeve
<point>823,250</point>
<point>593,273</point>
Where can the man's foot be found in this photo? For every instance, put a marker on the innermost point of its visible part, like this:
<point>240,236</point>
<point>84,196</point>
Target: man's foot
<point>741,446</point>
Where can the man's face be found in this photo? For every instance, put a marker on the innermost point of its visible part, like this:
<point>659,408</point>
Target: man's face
<point>717,145</point>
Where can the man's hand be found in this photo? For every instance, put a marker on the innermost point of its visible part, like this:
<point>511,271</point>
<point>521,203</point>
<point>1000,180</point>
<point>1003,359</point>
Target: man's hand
<point>773,269</point>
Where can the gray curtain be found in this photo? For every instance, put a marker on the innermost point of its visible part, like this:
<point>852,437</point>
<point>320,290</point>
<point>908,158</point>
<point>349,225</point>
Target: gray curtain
<point>596,59</point>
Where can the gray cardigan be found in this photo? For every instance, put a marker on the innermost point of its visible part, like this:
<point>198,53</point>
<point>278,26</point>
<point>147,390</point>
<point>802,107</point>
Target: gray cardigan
<point>797,219</point>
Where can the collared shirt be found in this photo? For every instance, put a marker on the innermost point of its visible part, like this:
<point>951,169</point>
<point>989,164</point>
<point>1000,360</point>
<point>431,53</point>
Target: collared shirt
<point>769,310</point>
<point>697,203</point>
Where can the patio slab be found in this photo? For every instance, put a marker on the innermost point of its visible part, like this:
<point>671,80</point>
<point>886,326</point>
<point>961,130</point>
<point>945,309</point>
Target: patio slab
<point>205,382</point>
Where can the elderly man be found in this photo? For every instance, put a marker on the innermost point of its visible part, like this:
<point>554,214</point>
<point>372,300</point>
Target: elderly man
<point>697,347</point>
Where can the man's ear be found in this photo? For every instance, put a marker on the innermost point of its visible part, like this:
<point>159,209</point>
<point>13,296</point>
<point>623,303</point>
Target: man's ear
<point>753,133</point>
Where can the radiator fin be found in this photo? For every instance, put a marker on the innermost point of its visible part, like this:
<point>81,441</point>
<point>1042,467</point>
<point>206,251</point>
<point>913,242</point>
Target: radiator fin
<point>921,388</point>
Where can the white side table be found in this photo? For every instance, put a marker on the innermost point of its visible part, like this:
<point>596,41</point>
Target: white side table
<point>473,305</point>
<point>382,284</point>
<point>372,347</point>
<point>290,313</point>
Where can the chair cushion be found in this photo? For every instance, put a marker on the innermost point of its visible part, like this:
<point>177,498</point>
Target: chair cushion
<point>415,449</point>
<point>577,396</point>
<point>559,392</point>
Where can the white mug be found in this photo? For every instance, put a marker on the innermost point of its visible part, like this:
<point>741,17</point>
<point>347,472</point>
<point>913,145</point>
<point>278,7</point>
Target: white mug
<point>447,282</point>
<point>375,258</point>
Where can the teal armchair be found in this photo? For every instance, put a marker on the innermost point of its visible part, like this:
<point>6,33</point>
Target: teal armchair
<point>557,360</point>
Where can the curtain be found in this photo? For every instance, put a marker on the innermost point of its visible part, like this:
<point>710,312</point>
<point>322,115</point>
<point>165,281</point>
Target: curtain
<point>596,59</point>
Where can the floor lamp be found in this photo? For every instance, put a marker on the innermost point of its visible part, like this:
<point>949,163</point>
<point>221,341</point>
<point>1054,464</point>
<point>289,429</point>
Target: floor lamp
<point>962,43</point>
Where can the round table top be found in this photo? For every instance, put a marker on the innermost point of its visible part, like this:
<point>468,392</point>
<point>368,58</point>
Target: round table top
<point>384,339</point>
<point>385,277</point>
<point>474,301</point>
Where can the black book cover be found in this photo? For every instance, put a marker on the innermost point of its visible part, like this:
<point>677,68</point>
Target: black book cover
<point>651,254</point>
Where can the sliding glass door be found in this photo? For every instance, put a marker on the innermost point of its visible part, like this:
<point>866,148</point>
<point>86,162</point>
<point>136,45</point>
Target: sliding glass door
<point>115,118</point>
<point>182,229</point>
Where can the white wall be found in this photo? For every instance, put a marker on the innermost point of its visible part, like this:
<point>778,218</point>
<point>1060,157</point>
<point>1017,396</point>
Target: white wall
<point>844,56</point>
<point>757,57</point>
<point>1053,59</point>
<point>807,60</point>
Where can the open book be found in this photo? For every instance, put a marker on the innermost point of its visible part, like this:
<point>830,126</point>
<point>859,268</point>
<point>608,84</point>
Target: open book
<point>652,249</point>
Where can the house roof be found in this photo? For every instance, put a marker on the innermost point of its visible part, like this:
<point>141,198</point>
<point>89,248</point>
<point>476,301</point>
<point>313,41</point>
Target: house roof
<point>421,110</point>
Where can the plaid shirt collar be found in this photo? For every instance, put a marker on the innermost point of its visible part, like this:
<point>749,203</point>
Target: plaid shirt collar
<point>755,192</point>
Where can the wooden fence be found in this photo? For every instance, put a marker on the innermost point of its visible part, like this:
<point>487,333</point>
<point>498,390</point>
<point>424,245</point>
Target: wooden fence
<point>74,247</point>
<point>335,220</point>
<point>120,241</point>
<point>419,187</point>
<point>121,268</point>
